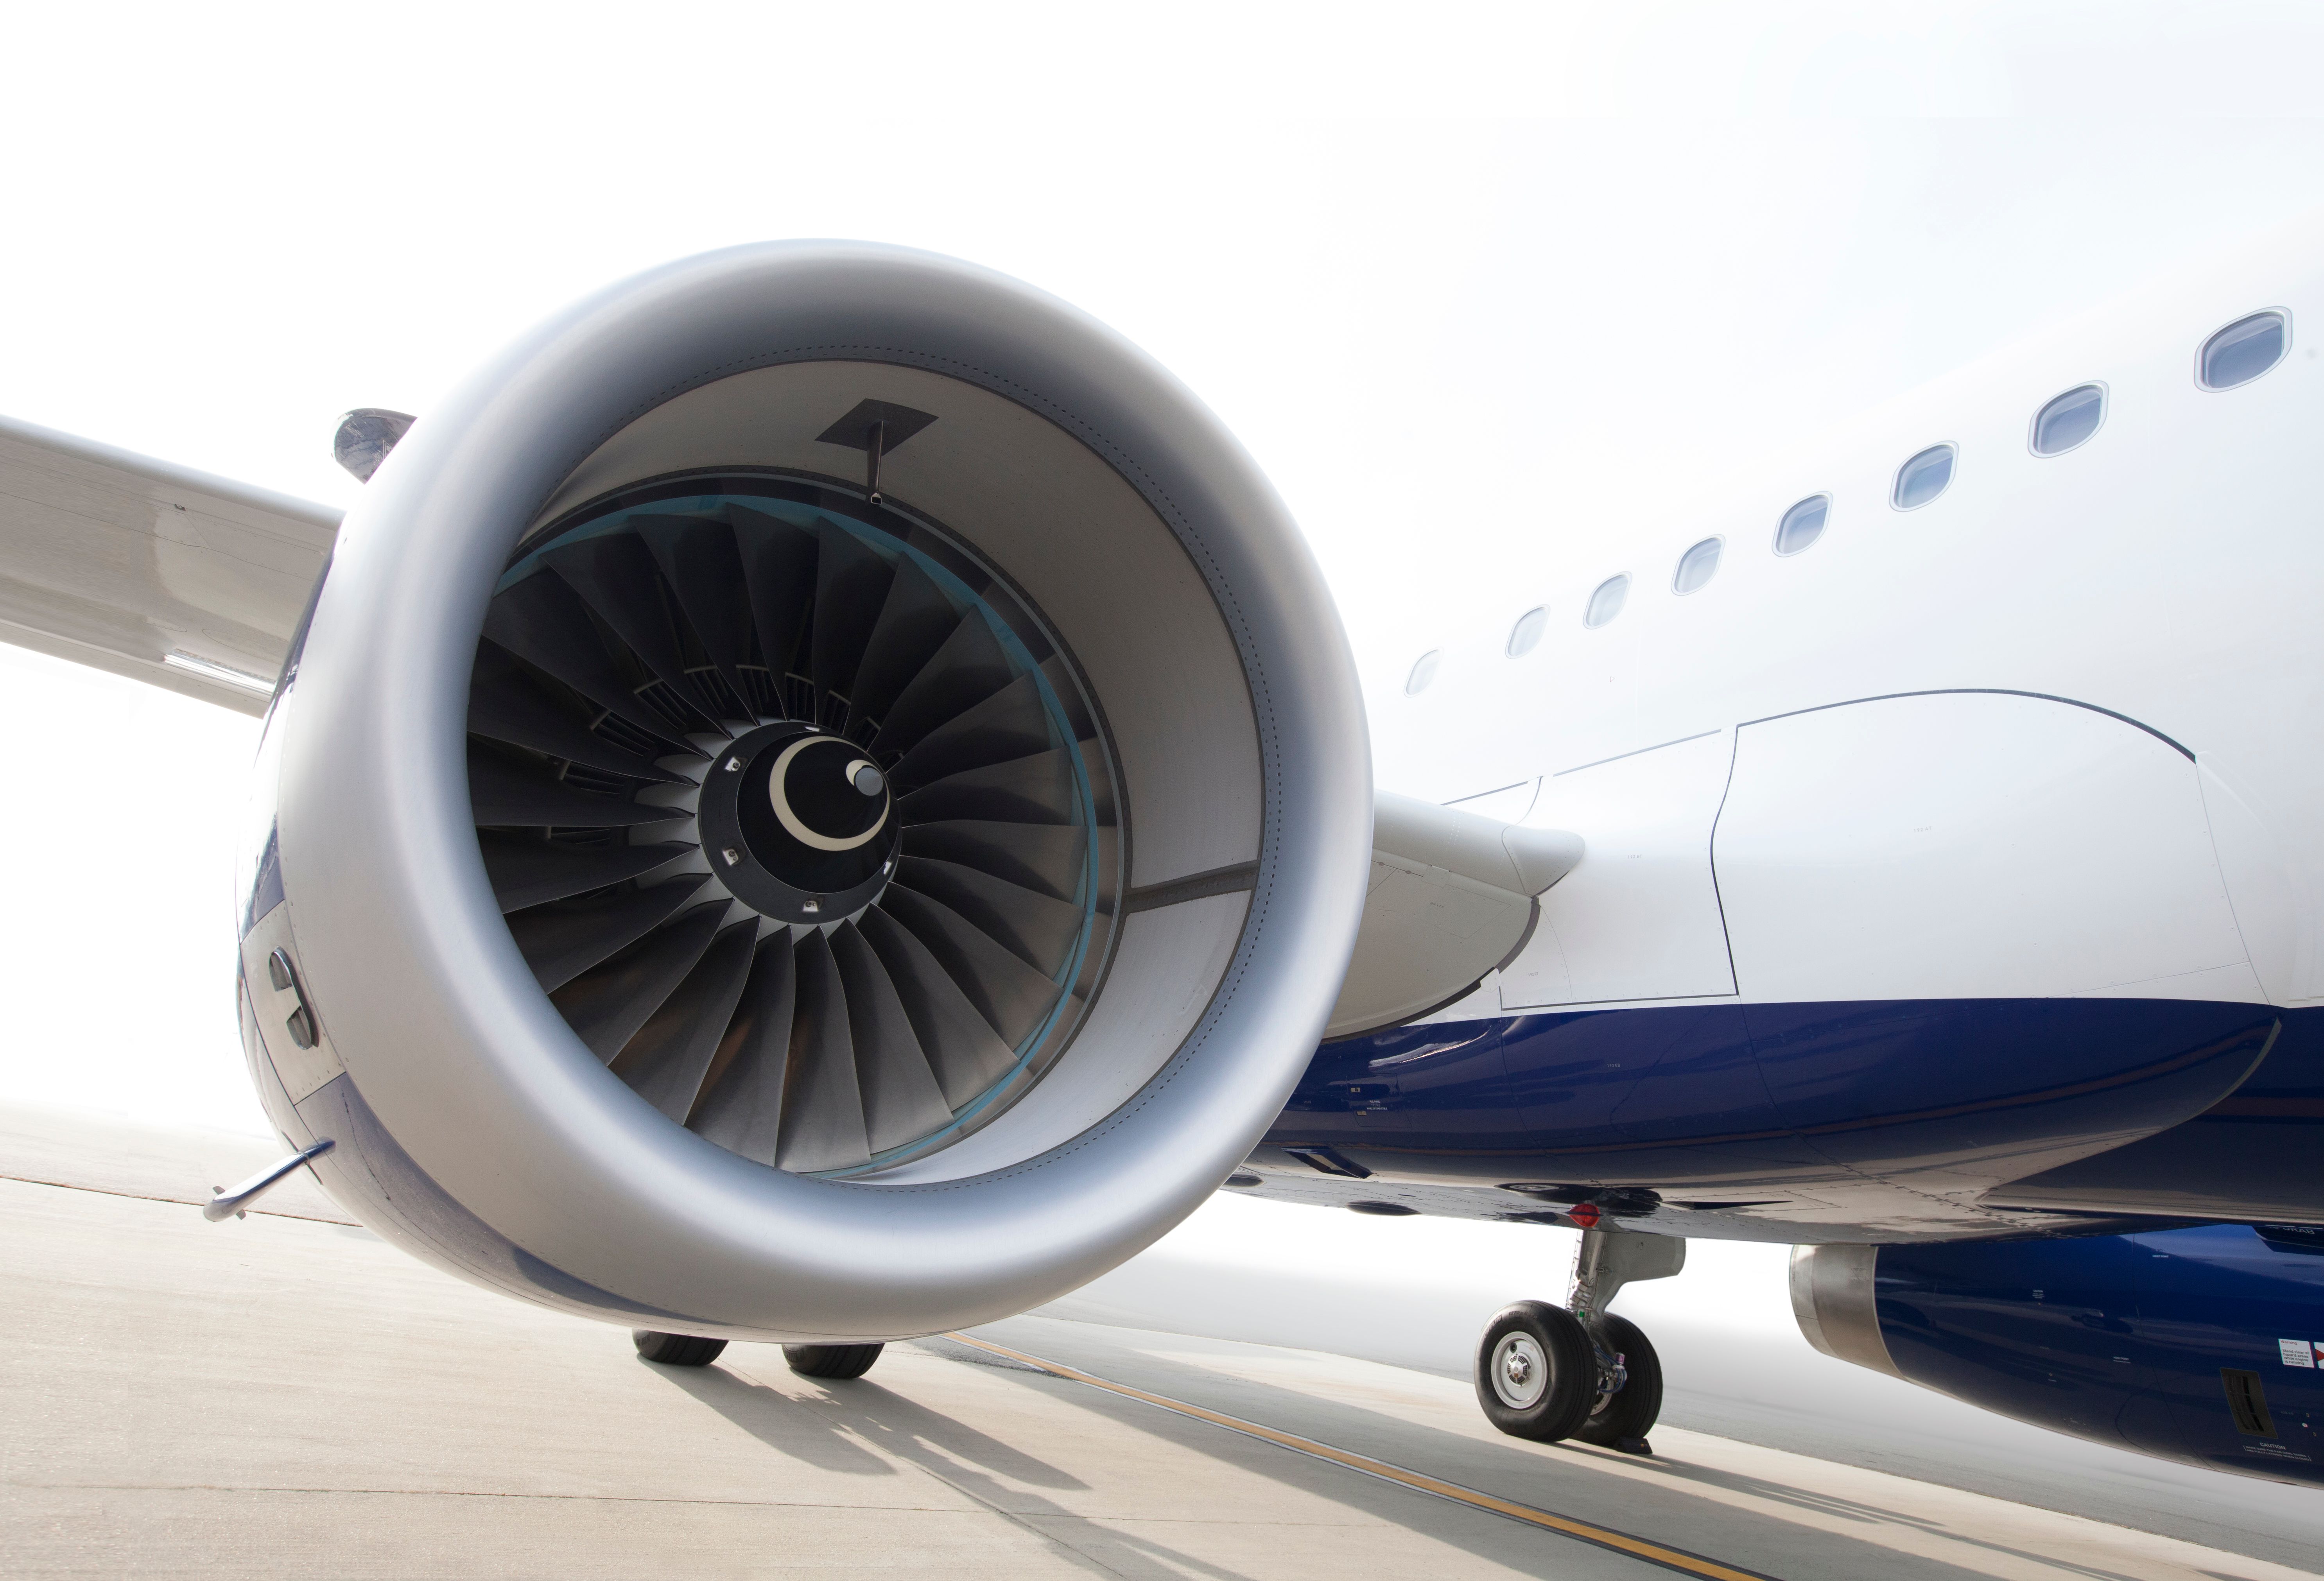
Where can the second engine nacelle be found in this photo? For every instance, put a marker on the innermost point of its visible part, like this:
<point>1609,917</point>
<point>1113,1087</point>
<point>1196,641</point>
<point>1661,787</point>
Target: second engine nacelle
<point>2197,1344</point>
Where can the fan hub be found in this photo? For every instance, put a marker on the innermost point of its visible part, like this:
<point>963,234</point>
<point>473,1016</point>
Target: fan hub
<point>812,786</point>
<point>790,828</point>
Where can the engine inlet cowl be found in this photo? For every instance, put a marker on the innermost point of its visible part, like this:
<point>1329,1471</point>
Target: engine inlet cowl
<point>730,888</point>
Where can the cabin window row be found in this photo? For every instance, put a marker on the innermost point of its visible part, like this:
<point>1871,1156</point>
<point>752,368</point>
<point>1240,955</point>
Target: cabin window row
<point>2232,357</point>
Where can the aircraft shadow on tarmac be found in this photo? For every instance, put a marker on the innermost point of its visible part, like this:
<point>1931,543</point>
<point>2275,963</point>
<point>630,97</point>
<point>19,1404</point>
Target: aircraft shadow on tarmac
<point>840,1426</point>
<point>999,1477</point>
<point>1832,1504</point>
<point>859,1412</point>
<point>1569,1479</point>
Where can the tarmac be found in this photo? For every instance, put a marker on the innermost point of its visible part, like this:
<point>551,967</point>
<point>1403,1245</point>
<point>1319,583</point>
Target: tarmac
<point>287,1396</point>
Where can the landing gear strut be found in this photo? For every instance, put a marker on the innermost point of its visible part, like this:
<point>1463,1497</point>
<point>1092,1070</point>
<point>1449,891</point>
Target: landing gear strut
<point>1549,1372</point>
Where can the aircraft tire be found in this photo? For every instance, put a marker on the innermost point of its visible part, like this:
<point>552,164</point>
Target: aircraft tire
<point>1537,1372</point>
<point>1622,1420</point>
<point>831,1361</point>
<point>675,1350</point>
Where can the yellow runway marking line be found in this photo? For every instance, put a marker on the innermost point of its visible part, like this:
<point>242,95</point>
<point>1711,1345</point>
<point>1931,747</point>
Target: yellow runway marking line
<point>1605,1537</point>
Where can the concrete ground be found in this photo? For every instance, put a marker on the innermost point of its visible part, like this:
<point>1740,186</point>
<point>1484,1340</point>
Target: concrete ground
<point>1413,1293</point>
<point>290,1396</point>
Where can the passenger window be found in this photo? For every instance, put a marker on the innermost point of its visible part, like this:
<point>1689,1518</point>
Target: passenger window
<point>1424,670</point>
<point>1526,635</point>
<point>2245,350</point>
<point>1606,602</point>
<point>1803,524</point>
<point>2069,420</point>
<point>1924,478</point>
<point>1697,566</point>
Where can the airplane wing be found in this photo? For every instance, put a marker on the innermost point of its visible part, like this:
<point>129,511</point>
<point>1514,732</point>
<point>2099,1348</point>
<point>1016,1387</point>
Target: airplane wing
<point>153,571</point>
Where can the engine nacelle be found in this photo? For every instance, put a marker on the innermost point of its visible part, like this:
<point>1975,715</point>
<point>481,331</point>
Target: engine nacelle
<point>822,797</point>
<point>2197,1344</point>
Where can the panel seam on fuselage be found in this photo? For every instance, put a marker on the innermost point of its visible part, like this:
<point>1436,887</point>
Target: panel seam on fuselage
<point>1497,790</point>
<point>1633,752</point>
<point>1974,691</point>
<point>1734,980</point>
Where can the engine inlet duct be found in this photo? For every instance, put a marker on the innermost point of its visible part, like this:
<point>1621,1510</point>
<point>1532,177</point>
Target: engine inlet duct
<point>822,798</point>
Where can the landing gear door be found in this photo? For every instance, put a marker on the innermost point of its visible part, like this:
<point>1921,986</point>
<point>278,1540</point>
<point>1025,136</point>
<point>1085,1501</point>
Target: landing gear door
<point>1638,919</point>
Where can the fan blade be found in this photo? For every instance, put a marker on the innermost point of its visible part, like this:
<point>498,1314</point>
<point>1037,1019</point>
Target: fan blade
<point>960,1046</point>
<point>913,624</point>
<point>901,1100</point>
<point>667,1060</point>
<point>1038,789</point>
<point>503,794</point>
<point>506,704</point>
<point>565,938</point>
<point>1038,930</point>
<point>850,585</point>
<point>606,1004</point>
<point>823,1108</point>
<point>778,568</point>
<point>532,871</point>
<point>698,560</point>
<point>543,621</point>
<point>1010,723</point>
<point>616,576</point>
<point>970,668</point>
<point>743,1103</point>
<point>1042,856</point>
<point>1012,997</point>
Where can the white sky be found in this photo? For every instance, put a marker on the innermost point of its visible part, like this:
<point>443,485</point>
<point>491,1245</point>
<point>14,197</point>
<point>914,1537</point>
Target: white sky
<point>1466,350</point>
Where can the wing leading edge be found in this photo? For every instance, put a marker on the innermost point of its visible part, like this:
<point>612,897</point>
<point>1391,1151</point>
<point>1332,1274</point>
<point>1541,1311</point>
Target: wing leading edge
<point>153,571</point>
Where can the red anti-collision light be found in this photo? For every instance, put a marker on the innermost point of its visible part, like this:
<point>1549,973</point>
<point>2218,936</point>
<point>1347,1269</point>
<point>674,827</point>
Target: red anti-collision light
<point>1584,1215</point>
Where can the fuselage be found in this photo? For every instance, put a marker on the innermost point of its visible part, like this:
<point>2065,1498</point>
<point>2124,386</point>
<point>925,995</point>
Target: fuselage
<point>1951,812</point>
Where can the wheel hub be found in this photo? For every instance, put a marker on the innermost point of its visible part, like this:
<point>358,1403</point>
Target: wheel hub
<point>1520,1371</point>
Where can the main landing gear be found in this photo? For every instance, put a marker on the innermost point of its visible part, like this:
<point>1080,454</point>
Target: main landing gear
<point>831,1363</point>
<point>675,1350</point>
<point>1578,1371</point>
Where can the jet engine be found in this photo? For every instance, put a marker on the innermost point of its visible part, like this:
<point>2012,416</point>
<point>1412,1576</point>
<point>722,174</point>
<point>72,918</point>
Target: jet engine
<point>2201,1345</point>
<point>821,798</point>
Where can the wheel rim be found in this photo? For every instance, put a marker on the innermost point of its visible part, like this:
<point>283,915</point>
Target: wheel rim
<point>1520,1371</point>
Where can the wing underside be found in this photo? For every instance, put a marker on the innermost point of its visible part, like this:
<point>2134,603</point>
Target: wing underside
<point>153,571</point>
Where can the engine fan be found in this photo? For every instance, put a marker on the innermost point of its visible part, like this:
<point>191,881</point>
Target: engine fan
<point>798,833</point>
<point>821,798</point>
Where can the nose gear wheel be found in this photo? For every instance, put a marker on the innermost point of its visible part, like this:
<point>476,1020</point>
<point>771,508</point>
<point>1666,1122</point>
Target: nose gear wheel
<point>1519,1370</point>
<point>1537,1372</point>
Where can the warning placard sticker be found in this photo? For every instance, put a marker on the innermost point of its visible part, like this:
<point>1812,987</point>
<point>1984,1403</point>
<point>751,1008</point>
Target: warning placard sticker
<point>2298,1352</point>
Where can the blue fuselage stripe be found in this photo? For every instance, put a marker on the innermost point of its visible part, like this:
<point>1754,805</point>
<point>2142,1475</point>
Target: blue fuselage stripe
<point>1679,1095</point>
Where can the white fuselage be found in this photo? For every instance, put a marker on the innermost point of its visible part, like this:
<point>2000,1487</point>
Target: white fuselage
<point>2048,733</point>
